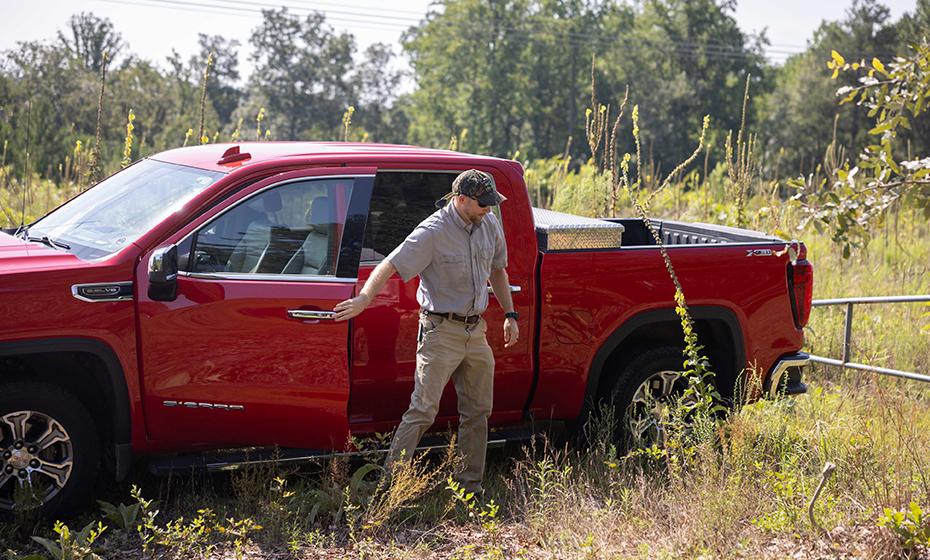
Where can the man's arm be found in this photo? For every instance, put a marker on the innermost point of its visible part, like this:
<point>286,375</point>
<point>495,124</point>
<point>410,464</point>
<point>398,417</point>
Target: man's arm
<point>500,284</point>
<point>351,307</point>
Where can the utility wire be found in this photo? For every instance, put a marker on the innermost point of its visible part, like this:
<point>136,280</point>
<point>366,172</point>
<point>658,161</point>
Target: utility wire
<point>570,38</point>
<point>384,22</point>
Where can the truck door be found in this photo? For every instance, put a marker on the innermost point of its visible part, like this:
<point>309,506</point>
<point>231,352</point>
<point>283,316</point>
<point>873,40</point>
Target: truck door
<point>248,353</point>
<point>384,336</point>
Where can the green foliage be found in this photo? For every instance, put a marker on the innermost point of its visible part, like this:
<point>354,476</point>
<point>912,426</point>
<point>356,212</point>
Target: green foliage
<point>885,174</point>
<point>529,69</point>
<point>799,114</point>
<point>483,513</point>
<point>73,546</point>
<point>125,517</point>
<point>910,526</point>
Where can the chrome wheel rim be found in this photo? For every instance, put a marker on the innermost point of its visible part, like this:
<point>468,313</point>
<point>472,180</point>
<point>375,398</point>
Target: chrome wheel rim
<point>36,459</point>
<point>650,406</point>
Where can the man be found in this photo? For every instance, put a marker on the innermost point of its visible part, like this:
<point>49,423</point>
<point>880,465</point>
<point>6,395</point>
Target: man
<point>455,251</point>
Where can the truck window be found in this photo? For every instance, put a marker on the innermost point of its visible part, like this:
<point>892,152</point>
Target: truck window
<point>401,200</point>
<point>295,228</point>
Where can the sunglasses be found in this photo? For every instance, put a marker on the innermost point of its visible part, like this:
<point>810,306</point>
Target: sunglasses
<point>480,204</point>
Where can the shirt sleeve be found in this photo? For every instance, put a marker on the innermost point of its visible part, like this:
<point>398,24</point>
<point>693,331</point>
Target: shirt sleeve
<point>414,254</point>
<point>500,250</point>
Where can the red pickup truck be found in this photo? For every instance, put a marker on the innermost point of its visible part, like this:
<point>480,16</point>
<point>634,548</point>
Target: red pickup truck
<point>184,305</point>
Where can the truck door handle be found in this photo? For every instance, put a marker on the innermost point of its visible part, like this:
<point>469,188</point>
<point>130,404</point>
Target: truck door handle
<point>310,314</point>
<point>513,290</point>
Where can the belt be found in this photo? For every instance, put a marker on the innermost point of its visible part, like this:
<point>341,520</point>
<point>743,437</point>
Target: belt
<point>467,319</point>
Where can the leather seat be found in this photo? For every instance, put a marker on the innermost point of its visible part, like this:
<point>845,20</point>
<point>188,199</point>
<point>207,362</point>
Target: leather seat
<point>315,255</point>
<point>252,248</point>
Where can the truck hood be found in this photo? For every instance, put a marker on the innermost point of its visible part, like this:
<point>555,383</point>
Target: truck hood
<point>17,255</point>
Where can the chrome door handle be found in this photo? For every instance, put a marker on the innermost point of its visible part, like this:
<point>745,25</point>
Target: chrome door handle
<point>308,314</point>
<point>513,289</point>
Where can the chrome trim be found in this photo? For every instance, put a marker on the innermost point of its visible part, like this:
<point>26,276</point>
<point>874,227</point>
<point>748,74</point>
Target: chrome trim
<point>781,367</point>
<point>267,277</point>
<point>194,404</point>
<point>513,290</point>
<point>310,314</point>
<point>77,287</point>
<point>443,171</point>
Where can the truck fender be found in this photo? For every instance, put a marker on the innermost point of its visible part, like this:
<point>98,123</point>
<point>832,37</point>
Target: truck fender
<point>629,327</point>
<point>112,381</point>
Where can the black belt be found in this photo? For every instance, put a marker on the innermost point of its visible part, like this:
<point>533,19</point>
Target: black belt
<point>467,319</point>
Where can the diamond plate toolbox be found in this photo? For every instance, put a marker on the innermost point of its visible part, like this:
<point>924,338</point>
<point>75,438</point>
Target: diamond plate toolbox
<point>557,231</point>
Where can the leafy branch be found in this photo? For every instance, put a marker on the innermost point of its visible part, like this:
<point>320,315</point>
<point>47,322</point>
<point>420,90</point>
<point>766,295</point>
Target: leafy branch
<point>856,197</point>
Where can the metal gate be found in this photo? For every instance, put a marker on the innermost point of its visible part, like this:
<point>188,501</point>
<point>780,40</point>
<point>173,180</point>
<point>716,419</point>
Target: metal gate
<point>849,303</point>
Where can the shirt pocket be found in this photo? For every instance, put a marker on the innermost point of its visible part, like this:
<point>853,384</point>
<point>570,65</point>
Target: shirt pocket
<point>485,256</point>
<point>454,269</point>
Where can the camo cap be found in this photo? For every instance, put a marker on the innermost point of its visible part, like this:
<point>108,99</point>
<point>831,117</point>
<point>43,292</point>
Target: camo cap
<point>477,185</point>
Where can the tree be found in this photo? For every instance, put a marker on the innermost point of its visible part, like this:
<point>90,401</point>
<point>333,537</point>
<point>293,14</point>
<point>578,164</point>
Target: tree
<point>91,38</point>
<point>301,74</point>
<point>223,90</point>
<point>469,63</point>
<point>801,110</point>
<point>884,173</point>
<point>517,73</point>
<point>376,85</point>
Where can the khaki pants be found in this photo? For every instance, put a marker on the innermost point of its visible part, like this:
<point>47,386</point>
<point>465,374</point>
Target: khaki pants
<point>448,348</point>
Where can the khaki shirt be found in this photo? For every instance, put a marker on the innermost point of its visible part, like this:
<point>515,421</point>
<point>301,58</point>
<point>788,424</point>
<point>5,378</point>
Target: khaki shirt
<point>454,260</point>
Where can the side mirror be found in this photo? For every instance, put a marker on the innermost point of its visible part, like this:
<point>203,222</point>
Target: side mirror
<point>163,274</point>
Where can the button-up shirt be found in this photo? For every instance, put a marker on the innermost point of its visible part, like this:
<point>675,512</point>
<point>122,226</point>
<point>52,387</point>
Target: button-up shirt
<point>454,259</point>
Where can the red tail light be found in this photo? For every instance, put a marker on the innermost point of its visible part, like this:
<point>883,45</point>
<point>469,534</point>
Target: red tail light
<point>801,287</point>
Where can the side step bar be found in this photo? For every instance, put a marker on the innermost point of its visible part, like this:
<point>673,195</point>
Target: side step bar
<point>230,460</point>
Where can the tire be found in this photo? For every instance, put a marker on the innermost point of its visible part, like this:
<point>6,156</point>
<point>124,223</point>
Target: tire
<point>49,450</point>
<point>647,385</point>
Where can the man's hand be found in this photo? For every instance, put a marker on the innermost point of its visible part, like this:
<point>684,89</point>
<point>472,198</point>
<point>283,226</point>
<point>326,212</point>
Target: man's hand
<point>511,332</point>
<point>349,308</point>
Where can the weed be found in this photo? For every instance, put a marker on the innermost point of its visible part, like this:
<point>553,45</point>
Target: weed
<point>73,546</point>
<point>910,526</point>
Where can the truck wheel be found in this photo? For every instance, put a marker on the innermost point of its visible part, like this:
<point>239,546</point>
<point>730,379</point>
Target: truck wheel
<point>49,449</point>
<point>645,389</point>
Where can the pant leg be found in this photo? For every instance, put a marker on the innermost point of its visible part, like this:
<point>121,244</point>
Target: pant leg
<point>474,387</point>
<point>440,350</point>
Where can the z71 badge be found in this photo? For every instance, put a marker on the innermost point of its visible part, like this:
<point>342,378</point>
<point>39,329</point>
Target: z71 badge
<point>758,252</point>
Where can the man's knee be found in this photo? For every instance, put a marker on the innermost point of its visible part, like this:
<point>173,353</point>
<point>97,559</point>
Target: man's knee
<point>420,413</point>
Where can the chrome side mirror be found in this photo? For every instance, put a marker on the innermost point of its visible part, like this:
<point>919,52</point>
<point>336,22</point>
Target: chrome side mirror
<point>163,274</point>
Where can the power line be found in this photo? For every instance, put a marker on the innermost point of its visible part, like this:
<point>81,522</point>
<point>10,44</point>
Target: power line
<point>385,22</point>
<point>719,51</point>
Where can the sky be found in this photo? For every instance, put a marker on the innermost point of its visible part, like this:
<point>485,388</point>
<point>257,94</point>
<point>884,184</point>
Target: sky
<point>152,28</point>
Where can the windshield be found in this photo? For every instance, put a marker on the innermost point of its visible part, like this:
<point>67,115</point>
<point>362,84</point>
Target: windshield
<point>121,208</point>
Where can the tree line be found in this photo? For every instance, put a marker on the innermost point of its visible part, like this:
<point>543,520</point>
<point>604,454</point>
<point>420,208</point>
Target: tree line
<point>488,76</point>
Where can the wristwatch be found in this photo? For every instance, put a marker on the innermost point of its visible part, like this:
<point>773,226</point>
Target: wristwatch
<point>512,315</point>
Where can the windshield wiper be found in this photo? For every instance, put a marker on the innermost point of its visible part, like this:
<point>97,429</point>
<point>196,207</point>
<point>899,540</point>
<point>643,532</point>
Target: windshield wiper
<point>49,241</point>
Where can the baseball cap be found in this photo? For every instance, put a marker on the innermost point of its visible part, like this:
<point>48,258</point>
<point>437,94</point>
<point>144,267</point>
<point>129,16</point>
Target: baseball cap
<point>475,184</point>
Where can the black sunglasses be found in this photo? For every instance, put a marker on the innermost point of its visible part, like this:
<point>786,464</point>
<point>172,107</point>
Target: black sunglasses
<point>480,204</point>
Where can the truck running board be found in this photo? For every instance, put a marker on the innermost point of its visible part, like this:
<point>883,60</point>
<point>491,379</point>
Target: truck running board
<point>233,459</point>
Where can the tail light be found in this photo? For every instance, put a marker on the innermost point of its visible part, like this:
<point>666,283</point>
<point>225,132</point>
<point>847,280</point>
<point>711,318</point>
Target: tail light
<point>801,291</point>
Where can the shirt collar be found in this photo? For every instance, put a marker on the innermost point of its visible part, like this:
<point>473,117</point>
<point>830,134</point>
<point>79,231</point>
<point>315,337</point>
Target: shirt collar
<point>467,226</point>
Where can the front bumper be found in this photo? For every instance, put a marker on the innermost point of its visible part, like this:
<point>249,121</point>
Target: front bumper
<point>785,377</point>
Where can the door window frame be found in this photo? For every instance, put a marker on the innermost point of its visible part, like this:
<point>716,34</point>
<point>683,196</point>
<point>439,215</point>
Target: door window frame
<point>353,226</point>
<point>495,209</point>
